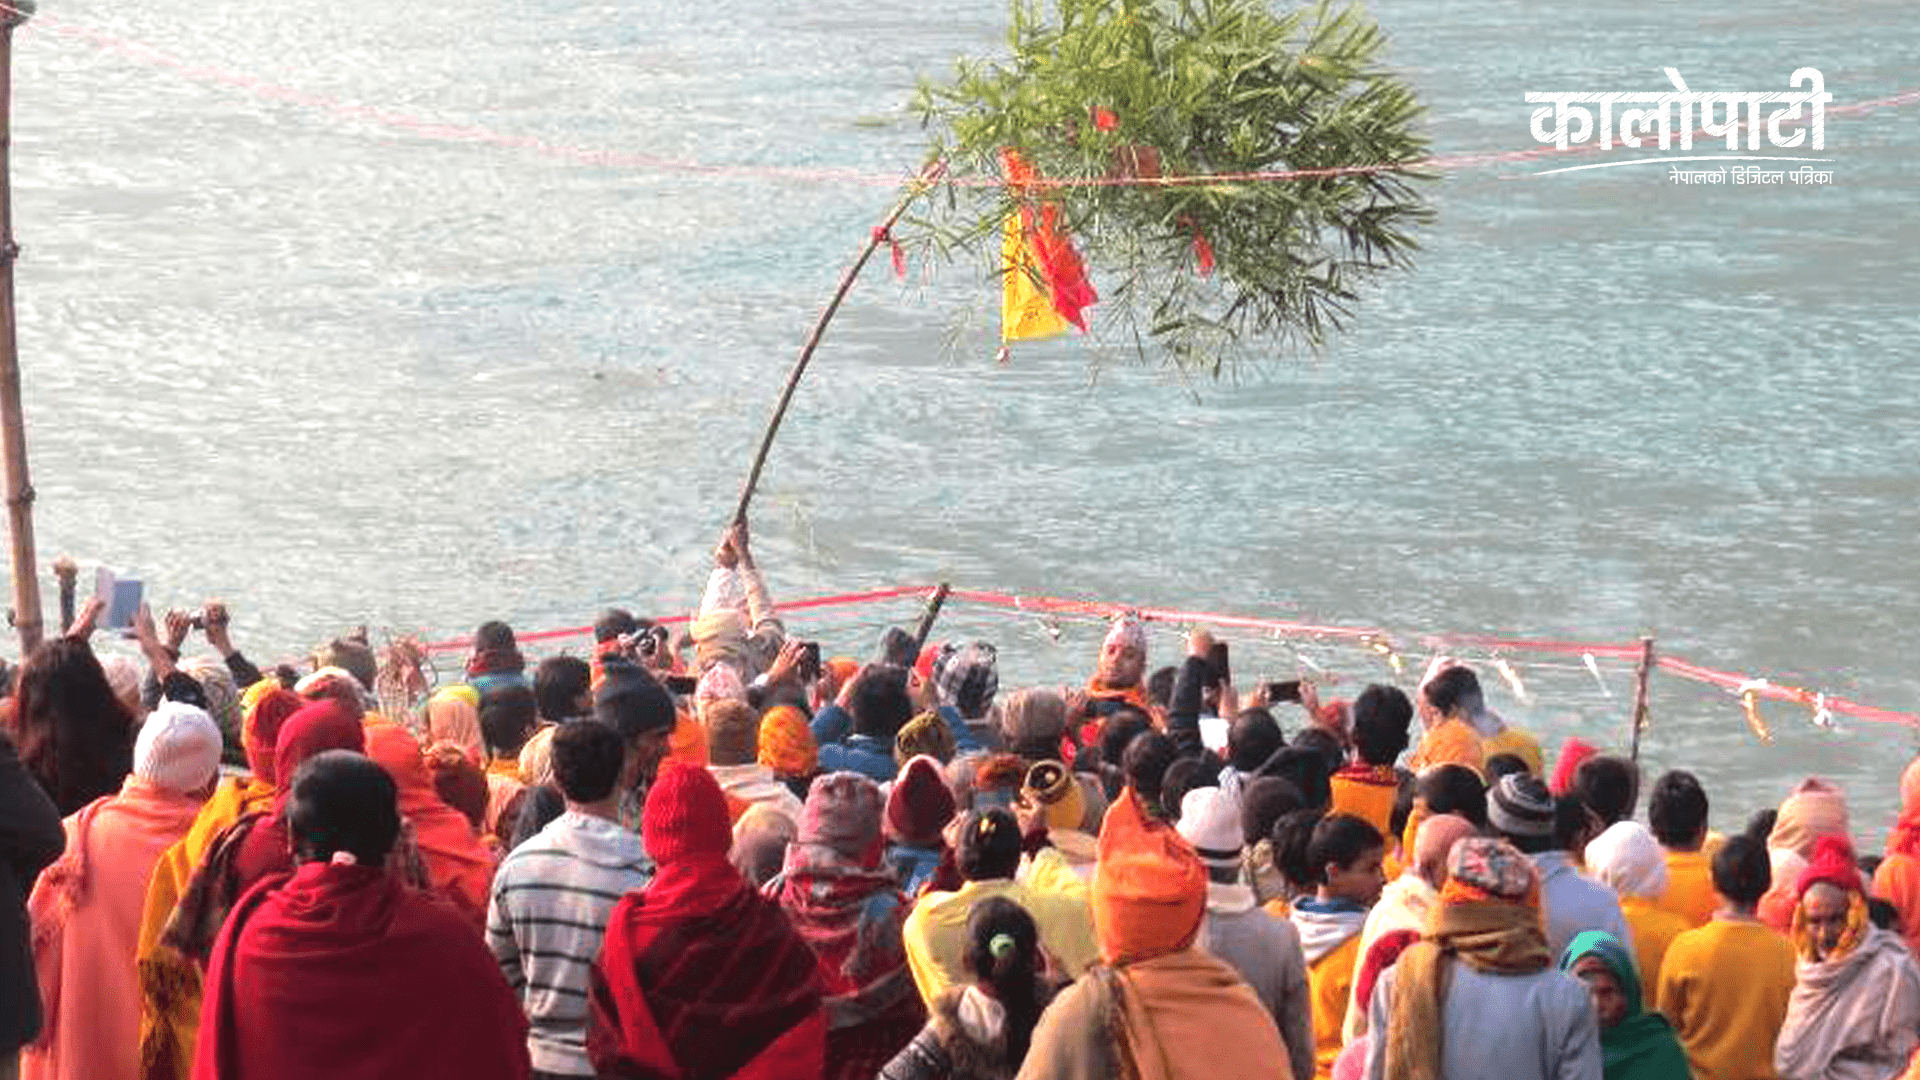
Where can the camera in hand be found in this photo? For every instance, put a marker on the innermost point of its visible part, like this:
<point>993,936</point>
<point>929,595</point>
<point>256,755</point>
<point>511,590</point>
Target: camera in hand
<point>1284,691</point>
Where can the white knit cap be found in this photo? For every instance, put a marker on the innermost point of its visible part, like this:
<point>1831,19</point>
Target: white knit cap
<point>178,749</point>
<point>1627,859</point>
<point>1210,821</point>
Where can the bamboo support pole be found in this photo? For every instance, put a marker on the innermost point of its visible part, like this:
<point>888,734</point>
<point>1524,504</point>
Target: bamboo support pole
<point>67,575</point>
<point>1642,676</point>
<point>927,617</point>
<point>883,234</point>
<point>13,435</point>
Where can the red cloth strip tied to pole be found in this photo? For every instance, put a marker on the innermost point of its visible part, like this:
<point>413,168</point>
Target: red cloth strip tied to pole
<point>882,234</point>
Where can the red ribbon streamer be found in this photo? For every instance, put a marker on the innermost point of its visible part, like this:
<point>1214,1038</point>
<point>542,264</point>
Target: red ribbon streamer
<point>882,236</point>
<point>1202,251</point>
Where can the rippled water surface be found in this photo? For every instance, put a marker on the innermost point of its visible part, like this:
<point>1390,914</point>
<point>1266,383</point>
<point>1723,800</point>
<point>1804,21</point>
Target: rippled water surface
<point>295,351</point>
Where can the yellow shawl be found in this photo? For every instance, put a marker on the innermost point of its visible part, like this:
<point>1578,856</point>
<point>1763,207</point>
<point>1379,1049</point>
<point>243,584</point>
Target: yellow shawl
<point>170,983</point>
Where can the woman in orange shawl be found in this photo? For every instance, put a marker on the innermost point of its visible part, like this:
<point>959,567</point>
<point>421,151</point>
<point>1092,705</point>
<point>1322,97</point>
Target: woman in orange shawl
<point>86,907</point>
<point>1898,879</point>
<point>170,992</point>
<point>1164,1008</point>
<point>458,865</point>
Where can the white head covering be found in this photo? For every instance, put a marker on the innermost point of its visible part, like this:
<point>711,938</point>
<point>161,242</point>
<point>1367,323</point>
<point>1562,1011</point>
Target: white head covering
<point>1786,864</point>
<point>1210,821</point>
<point>1627,859</point>
<point>178,748</point>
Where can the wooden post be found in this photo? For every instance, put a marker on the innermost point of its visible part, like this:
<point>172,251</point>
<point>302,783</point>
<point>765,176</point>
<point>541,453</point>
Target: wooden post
<point>881,235</point>
<point>1641,677</point>
<point>13,435</point>
<point>927,617</point>
<point>67,574</point>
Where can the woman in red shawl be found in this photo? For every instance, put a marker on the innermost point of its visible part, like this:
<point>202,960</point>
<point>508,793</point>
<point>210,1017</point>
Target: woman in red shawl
<point>848,907</point>
<point>700,977</point>
<point>458,866</point>
<point>340,971</point>
<point>320,725</point>
<point>250,849</point>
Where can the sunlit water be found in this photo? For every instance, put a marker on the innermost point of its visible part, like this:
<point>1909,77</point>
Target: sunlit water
<point>335,371</point>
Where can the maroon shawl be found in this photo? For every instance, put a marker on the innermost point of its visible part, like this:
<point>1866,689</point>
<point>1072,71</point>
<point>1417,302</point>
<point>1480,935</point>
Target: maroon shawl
<point>852,917</point>
<point>698,976</point>
<point>341,972</point>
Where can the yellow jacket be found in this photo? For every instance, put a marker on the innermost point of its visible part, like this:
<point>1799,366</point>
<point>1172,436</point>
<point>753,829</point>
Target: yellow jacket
<point>936,930</point>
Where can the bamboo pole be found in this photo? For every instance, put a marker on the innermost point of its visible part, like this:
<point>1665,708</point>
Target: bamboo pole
<point>927,617</point>
<point>13,435</point>
<point>68,575</point>
<point>883,234</point>
<point>1642,676</point>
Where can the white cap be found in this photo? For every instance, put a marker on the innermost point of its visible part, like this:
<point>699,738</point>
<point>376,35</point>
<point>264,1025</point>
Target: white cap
<point>1210,821</point>
<point>178,749</point>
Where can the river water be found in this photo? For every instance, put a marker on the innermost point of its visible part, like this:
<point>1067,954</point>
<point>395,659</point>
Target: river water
<point>294,351</point>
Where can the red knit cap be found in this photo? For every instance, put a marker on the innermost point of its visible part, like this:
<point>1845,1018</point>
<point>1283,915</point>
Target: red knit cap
<point>686,816</point>
<point>1572,753</point>
<point>920,804</point>
<point>1832,863</point>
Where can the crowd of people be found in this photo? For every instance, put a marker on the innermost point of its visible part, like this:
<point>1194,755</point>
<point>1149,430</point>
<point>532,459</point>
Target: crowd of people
<point>715,853</point>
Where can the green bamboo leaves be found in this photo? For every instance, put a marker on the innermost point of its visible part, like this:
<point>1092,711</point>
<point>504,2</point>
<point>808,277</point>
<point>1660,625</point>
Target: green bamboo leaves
<point>1125,101</point>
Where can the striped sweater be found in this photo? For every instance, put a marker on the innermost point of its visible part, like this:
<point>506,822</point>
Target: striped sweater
<point>551,898</point>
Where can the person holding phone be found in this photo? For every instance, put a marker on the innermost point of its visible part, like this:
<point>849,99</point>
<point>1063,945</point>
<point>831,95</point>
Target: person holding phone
<point>1202,695</point>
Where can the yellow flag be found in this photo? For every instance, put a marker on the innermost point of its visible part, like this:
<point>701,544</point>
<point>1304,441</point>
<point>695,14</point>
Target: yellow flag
<point>1026,311</point>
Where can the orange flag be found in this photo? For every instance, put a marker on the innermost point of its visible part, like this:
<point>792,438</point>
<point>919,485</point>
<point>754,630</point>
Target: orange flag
<point>1045,285</point>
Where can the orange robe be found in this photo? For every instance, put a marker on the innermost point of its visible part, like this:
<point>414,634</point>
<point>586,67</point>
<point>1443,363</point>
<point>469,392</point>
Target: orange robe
<point>1725,987</point>
<point>86,912</point>
<point>459,866</point>
<point>1653,929</point>
<point>1450,741</point>
<point>1368,793</point>
<point>1690,892</point>
<point>1898,879</point>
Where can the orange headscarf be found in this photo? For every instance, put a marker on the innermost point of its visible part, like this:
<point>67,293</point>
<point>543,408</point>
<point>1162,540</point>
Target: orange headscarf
<point>786,743</point>
<point>1149,888</point>
<point>687,741</point>
<point>1850,938</point>
<point>1905,839</point>
<point>458,865</point>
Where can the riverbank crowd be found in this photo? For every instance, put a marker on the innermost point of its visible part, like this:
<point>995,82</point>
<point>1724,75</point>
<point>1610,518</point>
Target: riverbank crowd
<point>716,853</point>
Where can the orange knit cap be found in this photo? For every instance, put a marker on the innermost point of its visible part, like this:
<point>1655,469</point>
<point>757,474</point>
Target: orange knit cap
<point>1149,888</point>
<point>786,743</point>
